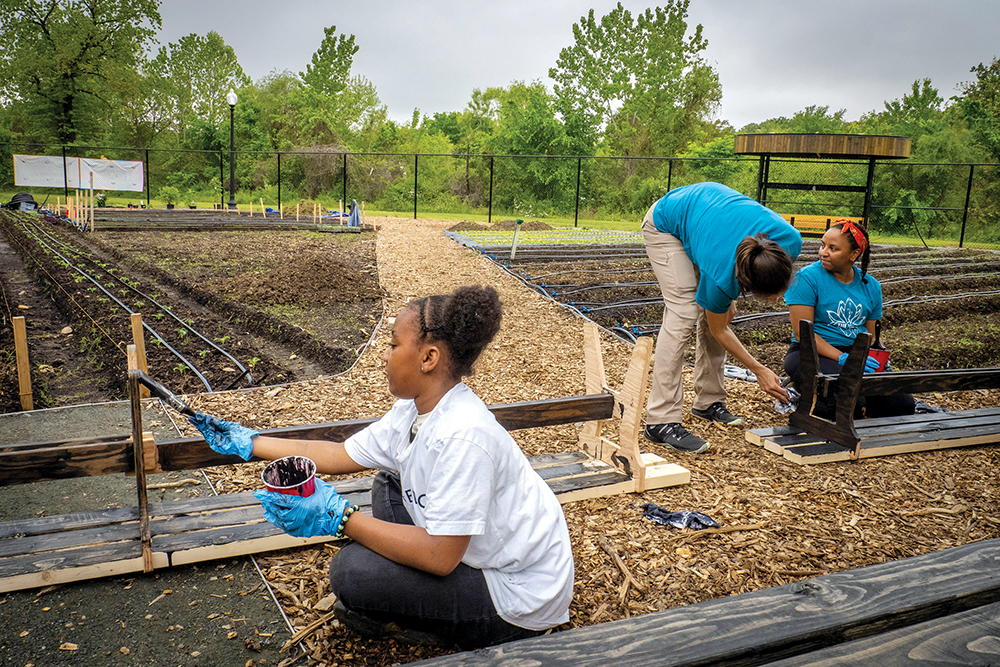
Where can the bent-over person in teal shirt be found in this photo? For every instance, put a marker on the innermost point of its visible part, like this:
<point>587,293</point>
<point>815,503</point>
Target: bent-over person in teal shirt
<point>708,245</point>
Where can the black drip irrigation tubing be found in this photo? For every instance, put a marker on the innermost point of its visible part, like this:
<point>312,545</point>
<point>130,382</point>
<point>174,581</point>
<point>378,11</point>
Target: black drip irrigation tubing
<point>615,331</point>
<point>244,371</point>
<point>177,354</point>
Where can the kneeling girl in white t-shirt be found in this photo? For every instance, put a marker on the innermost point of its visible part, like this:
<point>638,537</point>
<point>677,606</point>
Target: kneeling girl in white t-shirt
<point>466,544</point>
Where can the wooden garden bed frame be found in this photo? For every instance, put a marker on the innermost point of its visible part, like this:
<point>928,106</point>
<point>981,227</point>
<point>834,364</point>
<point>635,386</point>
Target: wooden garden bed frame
<point>57,549</point>
<point>812,439</point>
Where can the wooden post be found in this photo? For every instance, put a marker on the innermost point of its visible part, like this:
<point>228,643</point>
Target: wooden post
<point>362,210</point>
<point>263,211</point>
<point>140,460</point>
<point>23,367</point>
<point>340,206</point>
<point>315,214</point>
<point>139,340</point>
<point>251,208</point>
<point>91,222</point>
<point>633,396</point>
<point>296,211</point>
<point>595,381</point>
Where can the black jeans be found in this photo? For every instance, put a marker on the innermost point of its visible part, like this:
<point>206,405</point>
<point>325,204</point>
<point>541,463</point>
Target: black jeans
<point>456,607</point>
<point>891,405</point>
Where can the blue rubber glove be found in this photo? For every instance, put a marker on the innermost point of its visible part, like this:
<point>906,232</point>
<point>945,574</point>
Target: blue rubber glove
<point>871,364</point>
<point>322,513</point>
<point>225,437</point>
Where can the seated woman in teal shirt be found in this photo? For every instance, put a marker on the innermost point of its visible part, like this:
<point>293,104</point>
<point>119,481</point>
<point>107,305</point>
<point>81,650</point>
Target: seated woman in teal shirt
<point>842,301</point>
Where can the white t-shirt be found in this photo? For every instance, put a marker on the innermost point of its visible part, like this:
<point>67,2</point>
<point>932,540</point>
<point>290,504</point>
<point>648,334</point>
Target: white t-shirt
<point>464,475</point>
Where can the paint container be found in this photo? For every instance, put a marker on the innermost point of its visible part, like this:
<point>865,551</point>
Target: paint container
<point>293,475</point>
<point>881,356</point>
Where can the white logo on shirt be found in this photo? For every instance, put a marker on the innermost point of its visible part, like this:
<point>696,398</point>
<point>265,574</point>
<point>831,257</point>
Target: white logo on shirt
<point>849,317</point>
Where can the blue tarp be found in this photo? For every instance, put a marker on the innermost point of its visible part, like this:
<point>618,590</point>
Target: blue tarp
<point>354,220</point>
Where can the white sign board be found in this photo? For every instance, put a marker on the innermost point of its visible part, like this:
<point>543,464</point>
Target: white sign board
<point>46,171</point>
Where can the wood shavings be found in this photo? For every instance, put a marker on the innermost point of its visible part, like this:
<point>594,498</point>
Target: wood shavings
<point>780,522</point>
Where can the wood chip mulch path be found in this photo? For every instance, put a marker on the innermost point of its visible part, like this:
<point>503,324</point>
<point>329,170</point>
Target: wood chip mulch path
<point>781,522</point>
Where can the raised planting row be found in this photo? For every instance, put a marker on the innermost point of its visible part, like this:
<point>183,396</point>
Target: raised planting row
<point>937,302</point>
<point>198,337</point>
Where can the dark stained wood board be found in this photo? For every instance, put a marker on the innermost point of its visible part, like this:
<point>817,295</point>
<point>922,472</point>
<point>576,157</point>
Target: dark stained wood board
<point>967,638</point>
<point>886,436</point>
<point>33,462</point>
<point>79,546</point>
<point>763,626</point>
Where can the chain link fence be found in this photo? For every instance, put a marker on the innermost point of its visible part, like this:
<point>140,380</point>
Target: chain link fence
<point>911,203</point>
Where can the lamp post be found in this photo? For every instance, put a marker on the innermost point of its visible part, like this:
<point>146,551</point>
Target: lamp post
<point>232,99</point>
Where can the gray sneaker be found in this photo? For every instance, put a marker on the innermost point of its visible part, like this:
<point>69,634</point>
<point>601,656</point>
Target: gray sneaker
<point>675,437</point>
<point>717,412</point>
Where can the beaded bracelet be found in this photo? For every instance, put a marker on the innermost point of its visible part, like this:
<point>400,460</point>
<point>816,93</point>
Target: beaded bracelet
<point>343,520</point>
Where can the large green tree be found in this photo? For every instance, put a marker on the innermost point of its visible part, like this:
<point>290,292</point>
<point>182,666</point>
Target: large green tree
<point>197,72</point>
<point>638,82</point>
<point>330,67</point>
<point>980,106</point>
<point>67,61</point>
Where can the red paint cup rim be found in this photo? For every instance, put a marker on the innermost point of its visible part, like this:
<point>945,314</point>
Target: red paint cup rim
<point>291,475</point>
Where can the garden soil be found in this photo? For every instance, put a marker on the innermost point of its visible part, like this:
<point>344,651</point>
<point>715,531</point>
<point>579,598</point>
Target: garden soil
<point>787,522</point>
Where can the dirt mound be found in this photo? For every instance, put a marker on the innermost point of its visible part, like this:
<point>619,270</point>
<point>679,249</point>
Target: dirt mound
<point>467,226</point>
<point>526,226</point>
<point>308,279</point>
<point>503,226</point>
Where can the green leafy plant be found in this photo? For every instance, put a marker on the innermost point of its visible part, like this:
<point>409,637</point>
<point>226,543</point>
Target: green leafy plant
<point>181,368</point>
<point>222,339</point>
<point>182,332</point>
<point>253,362</point>
<point>202,353</point>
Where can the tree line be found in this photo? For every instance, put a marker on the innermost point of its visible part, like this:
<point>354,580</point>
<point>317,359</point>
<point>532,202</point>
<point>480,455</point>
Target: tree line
<point>90,73</point>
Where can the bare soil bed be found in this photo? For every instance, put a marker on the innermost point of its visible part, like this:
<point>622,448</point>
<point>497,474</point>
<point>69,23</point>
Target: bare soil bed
<point>784,522</point>
<point>285,306</point>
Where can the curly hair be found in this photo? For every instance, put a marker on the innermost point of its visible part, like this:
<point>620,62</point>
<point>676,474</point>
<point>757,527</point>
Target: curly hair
<point>465,321</point>
<point>762,266</point>
<point>866,256</point>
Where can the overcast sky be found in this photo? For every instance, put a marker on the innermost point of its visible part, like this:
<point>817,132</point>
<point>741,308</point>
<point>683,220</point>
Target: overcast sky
<point>773,57</point>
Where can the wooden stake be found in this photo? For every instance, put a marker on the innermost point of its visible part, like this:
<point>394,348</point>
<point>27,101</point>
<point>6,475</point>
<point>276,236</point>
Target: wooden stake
<point>91,222</point>
<point>139,340</point>
<point>251,208</point>
<point>263,211</point>
<point>296,211</point>
<point>140,460</point>
<point>595,381</point>
<point>315,214</point>
<point>23,367</point>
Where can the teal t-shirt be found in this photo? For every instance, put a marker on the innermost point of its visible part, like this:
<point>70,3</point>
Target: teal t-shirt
<point>711,219</point>
<point>840,310</point>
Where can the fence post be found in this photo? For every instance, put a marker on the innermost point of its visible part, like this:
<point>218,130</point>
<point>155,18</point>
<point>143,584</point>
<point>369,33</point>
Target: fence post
<point>279,181</point>
<point>222,184</point>
<point>489,217</point>
<point>65,176</point>
<point>345,177</point>
<point>670,173</point>
<point>576,216</point>
<point>965,210</point>
<point>145,173</point>
<point>415,172</point>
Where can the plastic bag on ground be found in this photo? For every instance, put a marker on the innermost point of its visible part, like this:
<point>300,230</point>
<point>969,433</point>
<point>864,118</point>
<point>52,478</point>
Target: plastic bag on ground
<point>684,519</point>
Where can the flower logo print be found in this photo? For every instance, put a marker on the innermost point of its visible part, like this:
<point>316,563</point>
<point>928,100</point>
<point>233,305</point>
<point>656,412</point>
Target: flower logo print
<point>849,317</point>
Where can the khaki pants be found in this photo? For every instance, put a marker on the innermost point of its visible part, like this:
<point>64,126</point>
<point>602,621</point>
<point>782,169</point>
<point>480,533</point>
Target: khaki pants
<point>678,278</point>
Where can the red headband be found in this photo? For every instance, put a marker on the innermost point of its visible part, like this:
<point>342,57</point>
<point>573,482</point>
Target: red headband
<point>852,229</point>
